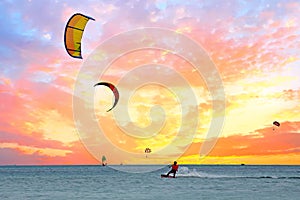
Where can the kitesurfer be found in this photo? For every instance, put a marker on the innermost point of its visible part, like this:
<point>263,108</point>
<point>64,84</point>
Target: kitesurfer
<point>174,169</point>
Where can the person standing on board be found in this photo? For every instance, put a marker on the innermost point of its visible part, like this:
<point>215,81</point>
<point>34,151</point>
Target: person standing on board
<point>174,169</point>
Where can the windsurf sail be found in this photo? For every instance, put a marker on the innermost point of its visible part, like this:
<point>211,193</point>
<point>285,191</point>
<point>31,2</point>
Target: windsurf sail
<point>104,163</point>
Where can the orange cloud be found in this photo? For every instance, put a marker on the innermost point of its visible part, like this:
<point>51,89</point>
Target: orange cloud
<point>265,142</point>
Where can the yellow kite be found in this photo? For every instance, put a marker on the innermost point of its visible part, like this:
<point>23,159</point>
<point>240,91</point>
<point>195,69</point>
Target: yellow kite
<point>73,34</point>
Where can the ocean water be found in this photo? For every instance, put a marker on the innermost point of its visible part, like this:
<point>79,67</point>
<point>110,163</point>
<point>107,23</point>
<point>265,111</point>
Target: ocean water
<point>192,182</point>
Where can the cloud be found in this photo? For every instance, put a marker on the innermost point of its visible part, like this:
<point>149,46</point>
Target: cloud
<point>22,155</point>
<point>263,142</point>
<point>14,157</point>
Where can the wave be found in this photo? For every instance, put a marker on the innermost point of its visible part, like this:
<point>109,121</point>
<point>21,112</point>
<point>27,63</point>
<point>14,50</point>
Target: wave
<point>185,172</point>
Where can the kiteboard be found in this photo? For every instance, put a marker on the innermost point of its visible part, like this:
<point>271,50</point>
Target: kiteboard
<point>166,176</point>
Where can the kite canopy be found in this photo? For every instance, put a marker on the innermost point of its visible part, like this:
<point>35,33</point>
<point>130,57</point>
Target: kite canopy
<point>113,89</point>
<point>73,34</point>
<point>276,123</point>
<point>147,150</point>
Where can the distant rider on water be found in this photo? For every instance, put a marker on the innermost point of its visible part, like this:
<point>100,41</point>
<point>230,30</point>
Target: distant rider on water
<point>174,169</point>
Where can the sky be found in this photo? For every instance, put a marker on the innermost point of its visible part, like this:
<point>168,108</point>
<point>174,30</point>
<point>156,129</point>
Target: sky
<point>192,75</point>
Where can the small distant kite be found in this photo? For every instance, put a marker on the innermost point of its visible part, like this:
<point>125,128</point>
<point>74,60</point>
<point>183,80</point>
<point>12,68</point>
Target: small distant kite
<point>73,34</point>
<point>147,150</point>
<point>275,123</point>
<point>113,89</point>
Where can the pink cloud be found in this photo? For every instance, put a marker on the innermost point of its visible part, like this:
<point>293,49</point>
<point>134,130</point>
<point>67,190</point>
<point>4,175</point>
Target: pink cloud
<point>79,155</point>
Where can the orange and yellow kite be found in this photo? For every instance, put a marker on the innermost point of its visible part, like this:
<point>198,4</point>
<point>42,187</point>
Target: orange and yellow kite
<point>73,34</point>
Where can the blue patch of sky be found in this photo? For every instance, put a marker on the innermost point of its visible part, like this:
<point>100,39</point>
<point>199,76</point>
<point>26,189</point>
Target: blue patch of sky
<point>5,52</point>
<point>22,29</point>
<point>243,8</point>
<point>15,30</point>
<point>161,5</point>
<point>248,14</point>
<point>41,77</point>
<point>12,35</point>
<point>17,35</point>
<point>12,71</point>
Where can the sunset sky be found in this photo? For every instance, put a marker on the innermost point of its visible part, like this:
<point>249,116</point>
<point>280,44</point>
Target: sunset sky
<point>171,106</point>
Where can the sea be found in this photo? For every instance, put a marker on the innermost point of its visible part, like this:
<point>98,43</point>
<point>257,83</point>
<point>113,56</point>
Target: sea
<point>138,182</point>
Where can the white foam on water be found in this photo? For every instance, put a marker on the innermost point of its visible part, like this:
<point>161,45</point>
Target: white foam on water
<point>185,172</point>
<point>194,173</point>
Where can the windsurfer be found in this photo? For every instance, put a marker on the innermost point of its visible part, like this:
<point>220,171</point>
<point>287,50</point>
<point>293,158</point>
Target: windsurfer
<point>104,163</point>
